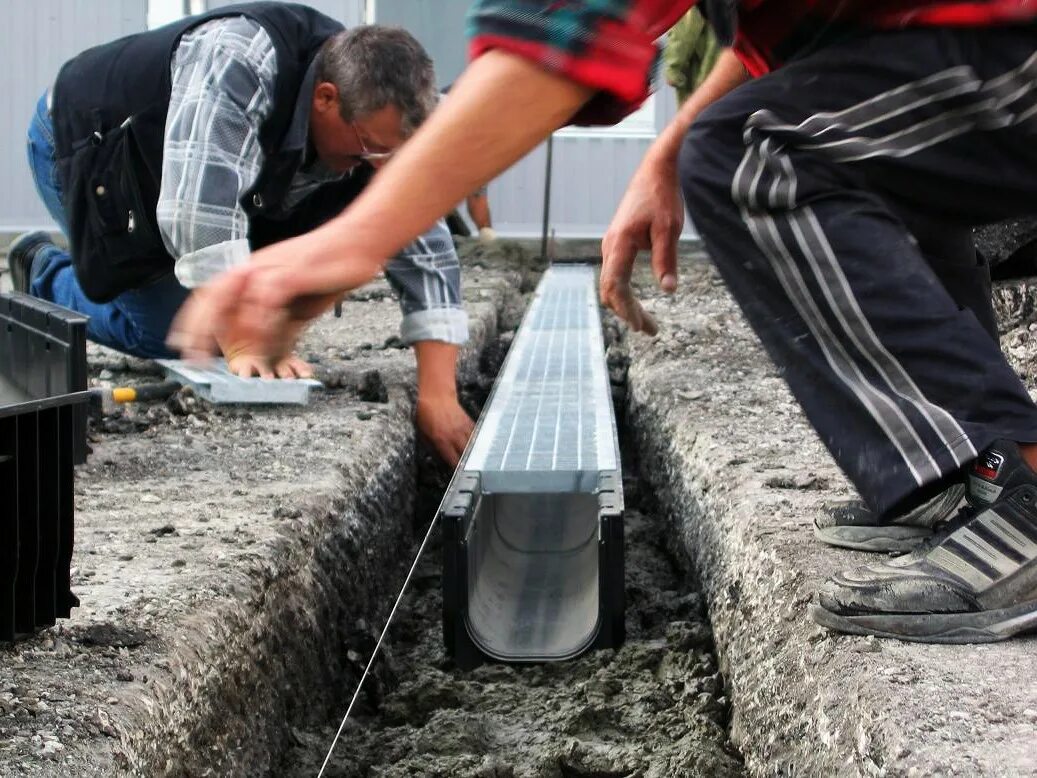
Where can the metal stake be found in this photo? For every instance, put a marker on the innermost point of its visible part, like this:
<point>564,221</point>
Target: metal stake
<point>547,196</point>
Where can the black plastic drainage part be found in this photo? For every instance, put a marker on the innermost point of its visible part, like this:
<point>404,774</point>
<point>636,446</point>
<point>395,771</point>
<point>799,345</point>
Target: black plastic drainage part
<point>463,511</point>
<point>42,437</point>
<point>42,355</point>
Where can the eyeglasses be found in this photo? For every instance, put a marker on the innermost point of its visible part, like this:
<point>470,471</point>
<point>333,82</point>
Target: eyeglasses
<point>367,155</point>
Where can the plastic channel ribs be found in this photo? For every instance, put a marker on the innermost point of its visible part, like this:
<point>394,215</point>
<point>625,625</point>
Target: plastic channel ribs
<point>42,436</point>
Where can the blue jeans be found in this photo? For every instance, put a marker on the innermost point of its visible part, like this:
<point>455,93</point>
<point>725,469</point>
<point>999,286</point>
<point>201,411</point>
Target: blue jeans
<point>135,322</point>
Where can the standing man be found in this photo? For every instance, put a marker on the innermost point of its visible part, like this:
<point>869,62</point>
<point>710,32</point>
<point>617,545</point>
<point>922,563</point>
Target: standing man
<point>167,156</point>
<point>821,135</point>
<point>478,205</point>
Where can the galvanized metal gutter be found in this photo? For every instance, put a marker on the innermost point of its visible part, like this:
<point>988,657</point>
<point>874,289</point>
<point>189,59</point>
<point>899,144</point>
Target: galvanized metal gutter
<point>533,519</point>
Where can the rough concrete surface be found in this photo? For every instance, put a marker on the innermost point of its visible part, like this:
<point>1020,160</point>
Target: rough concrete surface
<point>742,476</point>
<point>1000,241</point>
<point>226,559</point>
<point>235,565</point>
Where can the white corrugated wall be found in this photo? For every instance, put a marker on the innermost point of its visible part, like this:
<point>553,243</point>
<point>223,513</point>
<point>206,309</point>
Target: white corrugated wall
<point>590,171</point>
<point>36,37</point>
<point>590,175</point>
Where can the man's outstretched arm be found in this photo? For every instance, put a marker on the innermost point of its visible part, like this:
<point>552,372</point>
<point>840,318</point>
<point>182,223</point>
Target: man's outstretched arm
<point>438,414</point>
<point>427,277</point>
<point>537,65</point>
<point>499,110</point>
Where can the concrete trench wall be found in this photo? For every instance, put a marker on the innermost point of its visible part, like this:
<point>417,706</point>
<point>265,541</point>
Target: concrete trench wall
<point>282,654</point>
<point>741,476</point>
<point>202,652</point>
<point>238,676</point>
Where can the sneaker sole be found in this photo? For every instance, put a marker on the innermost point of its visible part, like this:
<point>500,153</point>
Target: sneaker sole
<point>983,627</point>
<point>887,537</point>
<point>20,280</point>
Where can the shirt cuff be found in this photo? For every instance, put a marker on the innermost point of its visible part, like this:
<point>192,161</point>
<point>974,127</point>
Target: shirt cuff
<point>447,325</point>
<point>199,267</point>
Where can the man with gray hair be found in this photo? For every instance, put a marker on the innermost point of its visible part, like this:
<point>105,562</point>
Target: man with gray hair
<point>168,156</point>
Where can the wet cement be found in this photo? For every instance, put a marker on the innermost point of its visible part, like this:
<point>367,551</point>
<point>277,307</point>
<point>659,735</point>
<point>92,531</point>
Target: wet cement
<point>655,707</point>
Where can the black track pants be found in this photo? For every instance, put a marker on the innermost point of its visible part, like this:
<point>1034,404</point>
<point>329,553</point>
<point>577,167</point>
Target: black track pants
<point>835,196</point>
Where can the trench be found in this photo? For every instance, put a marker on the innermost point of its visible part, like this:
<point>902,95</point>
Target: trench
<point>655,707</point>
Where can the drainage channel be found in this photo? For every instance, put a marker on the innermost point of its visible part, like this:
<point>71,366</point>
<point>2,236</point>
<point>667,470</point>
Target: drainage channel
<point>654,707</point>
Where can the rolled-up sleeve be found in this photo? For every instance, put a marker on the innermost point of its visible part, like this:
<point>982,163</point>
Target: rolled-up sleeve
<point>223,75</point>
<point>607,45</point>
<point>427,277</point>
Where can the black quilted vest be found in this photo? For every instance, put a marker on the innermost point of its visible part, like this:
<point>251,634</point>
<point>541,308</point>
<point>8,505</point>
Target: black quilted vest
<point>109,112</point>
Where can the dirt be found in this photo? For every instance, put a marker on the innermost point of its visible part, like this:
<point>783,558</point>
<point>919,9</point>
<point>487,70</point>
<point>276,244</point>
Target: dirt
<point>655,707</point>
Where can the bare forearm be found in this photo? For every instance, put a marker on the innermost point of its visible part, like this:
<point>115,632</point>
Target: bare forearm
<point>499,110</point>
<point>727,74</point>
<point>437,368</point>
<point>438,414</point>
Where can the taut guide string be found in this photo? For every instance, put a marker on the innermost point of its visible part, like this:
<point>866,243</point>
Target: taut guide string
<point>378,645</point>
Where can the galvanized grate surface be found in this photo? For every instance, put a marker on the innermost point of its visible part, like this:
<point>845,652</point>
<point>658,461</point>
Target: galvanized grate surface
<point>551,411</point>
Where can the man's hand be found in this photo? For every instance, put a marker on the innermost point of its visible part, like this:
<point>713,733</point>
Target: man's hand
<point>650,217</point>
<point>245,358</point>
<point>651,214</point>
<point>247,365</point>
<point>439,416</point>
<point>269,300</point>
<point>444,424</point>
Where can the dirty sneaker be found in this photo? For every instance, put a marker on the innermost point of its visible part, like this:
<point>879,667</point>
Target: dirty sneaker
<point>20,255</point>
<point>852,525</point>
<point>974,583</point>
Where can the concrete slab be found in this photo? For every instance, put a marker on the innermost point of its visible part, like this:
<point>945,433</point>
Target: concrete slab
<point>742,476</point>
<point>224,558</point>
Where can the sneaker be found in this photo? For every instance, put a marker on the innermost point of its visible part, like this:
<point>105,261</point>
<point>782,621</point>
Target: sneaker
<point>974,583</point>
<point>20,256</point>
<point>852,525</point>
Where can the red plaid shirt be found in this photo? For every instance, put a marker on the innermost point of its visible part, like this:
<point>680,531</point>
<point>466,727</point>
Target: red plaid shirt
<point>609,45</point>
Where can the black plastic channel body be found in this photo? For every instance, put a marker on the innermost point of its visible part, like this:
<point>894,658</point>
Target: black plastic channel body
<point>37,448</point>
<point>533,566</point>
<point>43,354</point>
<point>43,407</point>
<point>457,514</point>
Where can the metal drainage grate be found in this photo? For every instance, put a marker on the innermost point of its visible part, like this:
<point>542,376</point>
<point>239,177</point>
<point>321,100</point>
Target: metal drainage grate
<point>533,551</point>
<point>550,419</point>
